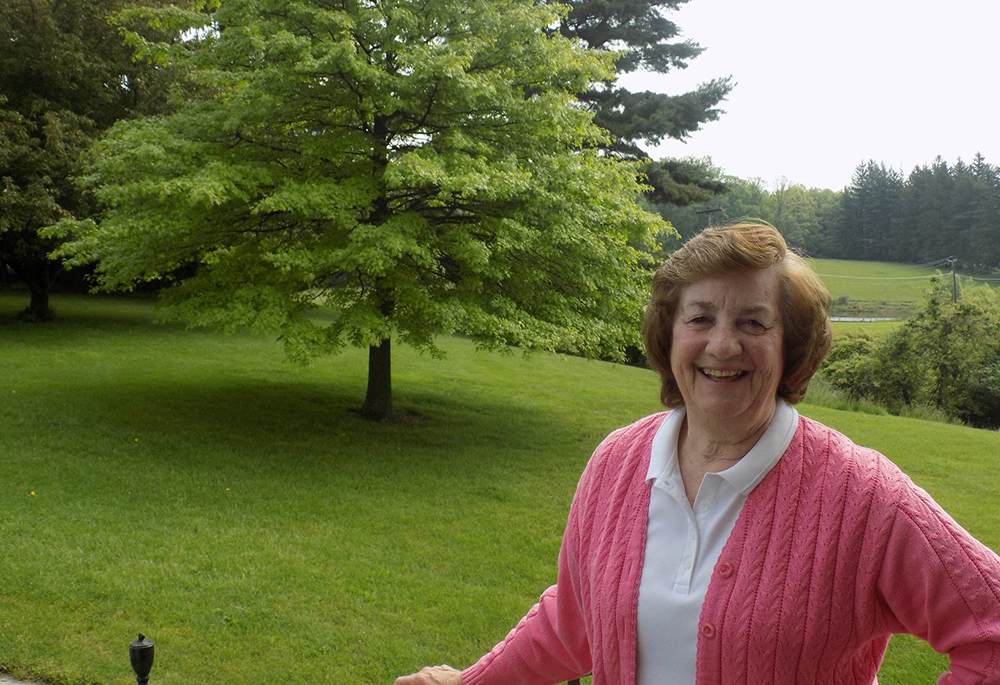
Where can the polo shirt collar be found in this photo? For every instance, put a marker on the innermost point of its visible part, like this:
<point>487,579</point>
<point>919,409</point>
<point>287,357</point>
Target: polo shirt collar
<point>745,474</point>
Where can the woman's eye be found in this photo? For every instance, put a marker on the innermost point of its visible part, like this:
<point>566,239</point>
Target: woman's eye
<point>753,323</point>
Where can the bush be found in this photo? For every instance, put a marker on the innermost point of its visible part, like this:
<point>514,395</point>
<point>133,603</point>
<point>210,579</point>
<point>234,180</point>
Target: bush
<point>984,391</point>
<point>945,357</point>
<point>849,364</point>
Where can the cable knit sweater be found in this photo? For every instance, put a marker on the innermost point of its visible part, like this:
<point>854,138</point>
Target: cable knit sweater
<point>833,551</point>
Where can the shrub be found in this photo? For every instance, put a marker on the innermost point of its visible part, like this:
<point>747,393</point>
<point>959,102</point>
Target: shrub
<point>946,357</point>
<point>984,392</point>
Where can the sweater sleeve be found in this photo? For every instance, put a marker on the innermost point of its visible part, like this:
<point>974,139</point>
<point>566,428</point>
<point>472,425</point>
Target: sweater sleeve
<point>550,644</point>
<point>942,585</point>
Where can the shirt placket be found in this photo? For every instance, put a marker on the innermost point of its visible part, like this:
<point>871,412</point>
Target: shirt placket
<point>697,523</point>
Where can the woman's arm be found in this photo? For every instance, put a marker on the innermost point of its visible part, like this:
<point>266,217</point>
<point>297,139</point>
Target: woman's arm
<point>942,585</point>
<point>432,675</point>
<point>550,644</point>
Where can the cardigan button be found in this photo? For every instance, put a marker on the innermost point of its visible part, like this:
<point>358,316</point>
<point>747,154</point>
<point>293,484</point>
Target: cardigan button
<point>726,569</point>
<point>708,630</point>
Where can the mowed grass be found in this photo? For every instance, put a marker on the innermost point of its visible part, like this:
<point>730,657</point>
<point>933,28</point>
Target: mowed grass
<point>200,489</point>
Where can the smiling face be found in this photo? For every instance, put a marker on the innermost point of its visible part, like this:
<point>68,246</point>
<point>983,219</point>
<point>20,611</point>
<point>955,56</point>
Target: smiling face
<point>727,349</point>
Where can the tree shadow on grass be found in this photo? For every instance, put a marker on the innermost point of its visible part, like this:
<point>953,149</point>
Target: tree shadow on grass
<point>291,423</point>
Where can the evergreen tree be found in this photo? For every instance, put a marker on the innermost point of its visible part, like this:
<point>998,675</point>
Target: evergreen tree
<point>412,167</point>
<point>927,213</point>
<point>984,210</point>
<point>644,36</point>
<point>962,203</point>
<point>870,213</point>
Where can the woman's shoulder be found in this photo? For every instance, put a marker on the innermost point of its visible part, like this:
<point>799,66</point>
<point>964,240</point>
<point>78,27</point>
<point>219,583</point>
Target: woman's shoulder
<point>637,435</point>
<point>614,478</point>
<point>829,452</point>
<point>624,450</point>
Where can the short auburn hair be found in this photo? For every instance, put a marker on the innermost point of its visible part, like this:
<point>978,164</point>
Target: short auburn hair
<point>734,247</point>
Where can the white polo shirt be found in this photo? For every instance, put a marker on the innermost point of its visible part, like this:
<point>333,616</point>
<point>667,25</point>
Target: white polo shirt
<point>683,544</point>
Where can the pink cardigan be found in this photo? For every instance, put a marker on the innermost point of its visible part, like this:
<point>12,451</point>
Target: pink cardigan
<point>834,550</point>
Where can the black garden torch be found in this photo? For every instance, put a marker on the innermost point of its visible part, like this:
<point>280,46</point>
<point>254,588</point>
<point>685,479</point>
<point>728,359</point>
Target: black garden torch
<point>140,653</point>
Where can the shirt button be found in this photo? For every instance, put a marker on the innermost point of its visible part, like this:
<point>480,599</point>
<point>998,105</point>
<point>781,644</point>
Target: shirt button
<point>708,630</point>
<point>703,506</point>
<point>725,569</point>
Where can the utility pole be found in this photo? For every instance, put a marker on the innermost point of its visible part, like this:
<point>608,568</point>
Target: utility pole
<point>954,279</point>
<point>709,211</point>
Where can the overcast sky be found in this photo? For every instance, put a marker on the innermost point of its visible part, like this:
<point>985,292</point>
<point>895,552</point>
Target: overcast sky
<point>823,86</point>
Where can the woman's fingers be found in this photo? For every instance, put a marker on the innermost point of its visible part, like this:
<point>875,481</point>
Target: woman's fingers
<point>432,675</point>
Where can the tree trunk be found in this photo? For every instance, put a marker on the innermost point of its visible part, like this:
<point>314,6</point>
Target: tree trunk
<point>38,310</point>
<point>378,399</point>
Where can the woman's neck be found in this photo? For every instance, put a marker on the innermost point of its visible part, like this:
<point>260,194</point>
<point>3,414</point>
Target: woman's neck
<point>710,443</point>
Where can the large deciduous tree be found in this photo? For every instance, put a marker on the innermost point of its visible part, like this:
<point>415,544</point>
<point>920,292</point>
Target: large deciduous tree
<point>645,37</point>
<point>65,75</point>
<point>412,167</point>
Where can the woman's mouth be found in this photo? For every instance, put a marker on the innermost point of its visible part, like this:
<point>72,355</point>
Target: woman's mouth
<point>721,375</point>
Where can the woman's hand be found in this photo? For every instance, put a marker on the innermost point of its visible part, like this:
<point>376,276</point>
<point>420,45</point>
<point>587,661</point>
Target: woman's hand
<point>432,675</point>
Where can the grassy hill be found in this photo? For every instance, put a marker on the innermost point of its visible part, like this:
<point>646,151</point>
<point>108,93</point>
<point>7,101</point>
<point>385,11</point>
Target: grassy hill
<point>200,489</point>
<point>876,288</point>
<point>872,288</point>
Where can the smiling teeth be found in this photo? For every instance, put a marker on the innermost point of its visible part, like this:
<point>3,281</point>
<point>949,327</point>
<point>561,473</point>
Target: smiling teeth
<point>722,374</point>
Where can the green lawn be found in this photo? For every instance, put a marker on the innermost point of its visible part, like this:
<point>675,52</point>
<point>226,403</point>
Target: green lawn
<point>200,489</point>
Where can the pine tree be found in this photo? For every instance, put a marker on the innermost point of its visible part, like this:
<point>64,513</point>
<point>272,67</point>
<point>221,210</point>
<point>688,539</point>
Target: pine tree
<point>647,39</point>
<point>870,213</point>
<point>984,210</point>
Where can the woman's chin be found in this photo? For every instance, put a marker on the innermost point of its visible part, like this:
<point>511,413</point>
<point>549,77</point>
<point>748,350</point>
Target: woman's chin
<point>729,409</point>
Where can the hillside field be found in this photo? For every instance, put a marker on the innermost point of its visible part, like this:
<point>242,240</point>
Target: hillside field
<point>199,488</point>
<point>872,288</point>
<point>877,288</point>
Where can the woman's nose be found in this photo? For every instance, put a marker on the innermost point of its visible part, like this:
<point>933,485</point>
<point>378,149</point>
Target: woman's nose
<point>724,343</point>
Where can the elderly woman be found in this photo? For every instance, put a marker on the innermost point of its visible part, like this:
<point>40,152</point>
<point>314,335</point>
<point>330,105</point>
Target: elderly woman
<point>731,540</point>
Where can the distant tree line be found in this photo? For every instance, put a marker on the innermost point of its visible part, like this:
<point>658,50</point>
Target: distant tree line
<point>937,211</point>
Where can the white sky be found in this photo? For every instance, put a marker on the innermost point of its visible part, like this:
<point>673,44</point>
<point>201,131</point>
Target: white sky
<point>823,86</point>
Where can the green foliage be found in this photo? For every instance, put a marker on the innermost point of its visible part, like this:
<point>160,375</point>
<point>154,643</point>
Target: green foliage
<point>945,356</point>
<point>984,392</point>
<point>37,157</point>
<point>869,223</point>
<point>937,211</point>
<point>414,168</point>
<point>643,36</point>
<point>848,364</point>
<point>880,370</point>
<point>683,182</point>
<point>65,75</point>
